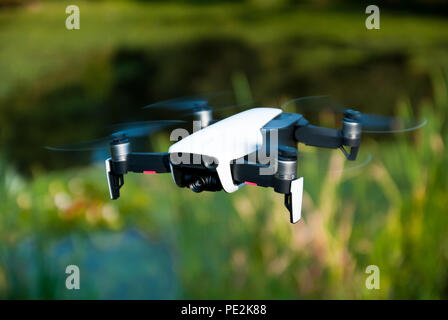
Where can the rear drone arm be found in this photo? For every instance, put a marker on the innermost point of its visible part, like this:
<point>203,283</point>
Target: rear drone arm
<point>249,173</point>
<point>318,136</point>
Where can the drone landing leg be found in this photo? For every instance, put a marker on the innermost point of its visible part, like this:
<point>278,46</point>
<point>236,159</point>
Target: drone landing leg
<point>147,163</point>
<point>114,181</point>
<point>293,200</point>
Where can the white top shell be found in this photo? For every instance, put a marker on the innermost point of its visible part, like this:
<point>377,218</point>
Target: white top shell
<point>227,140</point>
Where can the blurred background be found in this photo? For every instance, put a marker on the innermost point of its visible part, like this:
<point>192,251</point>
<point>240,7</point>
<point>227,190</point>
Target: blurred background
<point>161,242</point>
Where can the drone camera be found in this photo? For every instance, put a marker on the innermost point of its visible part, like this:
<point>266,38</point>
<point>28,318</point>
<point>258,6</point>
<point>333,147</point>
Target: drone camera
<point>206,182</point>
<point>197,176</point>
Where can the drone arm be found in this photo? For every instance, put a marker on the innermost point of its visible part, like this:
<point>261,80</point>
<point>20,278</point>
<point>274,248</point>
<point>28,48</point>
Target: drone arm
<point>349,136</point>
<point>134,162</point>
<point>249,173</point>
<point>319,136</point>
<point>291,187</point>
<point>148,162</point>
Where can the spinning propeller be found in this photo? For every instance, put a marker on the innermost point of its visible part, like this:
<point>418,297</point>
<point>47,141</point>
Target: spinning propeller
<point>119,131</point>
<point>370,123</point>
<point>201,107</point>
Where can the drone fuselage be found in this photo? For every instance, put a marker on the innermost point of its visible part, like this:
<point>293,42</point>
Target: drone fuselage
<point>232,152</point>
<point>225,141</point>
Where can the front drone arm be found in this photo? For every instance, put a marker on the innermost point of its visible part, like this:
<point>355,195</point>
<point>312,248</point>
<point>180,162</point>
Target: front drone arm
<point>282,178</point>
<point>149,162</point>
<point>120,164</point>
<point>249,173</point>
<point>349,135</point>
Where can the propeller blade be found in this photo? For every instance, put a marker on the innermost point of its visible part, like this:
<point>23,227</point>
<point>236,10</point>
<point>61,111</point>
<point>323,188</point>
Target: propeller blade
<point>102,143</point>
<point>130,130</point>
<point>142,128</point>
<point>371,123</point>
<point>382,124</point>
<point>190,104</point>
<point>179,104</point>
<point>319,103</point>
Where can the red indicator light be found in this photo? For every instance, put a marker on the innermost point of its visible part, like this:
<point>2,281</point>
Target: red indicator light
<point>250,183</point>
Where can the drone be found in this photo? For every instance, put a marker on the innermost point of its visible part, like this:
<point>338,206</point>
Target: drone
<point>257,146</point>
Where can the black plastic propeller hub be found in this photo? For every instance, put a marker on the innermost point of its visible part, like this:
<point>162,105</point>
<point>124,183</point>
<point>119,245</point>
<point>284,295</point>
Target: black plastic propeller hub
<point>352,114</point>
<point>287,153</point>
<point>118,138</point>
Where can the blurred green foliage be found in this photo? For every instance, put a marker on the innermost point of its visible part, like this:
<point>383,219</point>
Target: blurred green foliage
<point>159,241</point>
<point>128,54</point>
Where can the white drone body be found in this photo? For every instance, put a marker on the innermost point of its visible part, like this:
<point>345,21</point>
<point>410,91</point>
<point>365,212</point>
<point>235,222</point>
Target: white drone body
<point>233,138</point>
